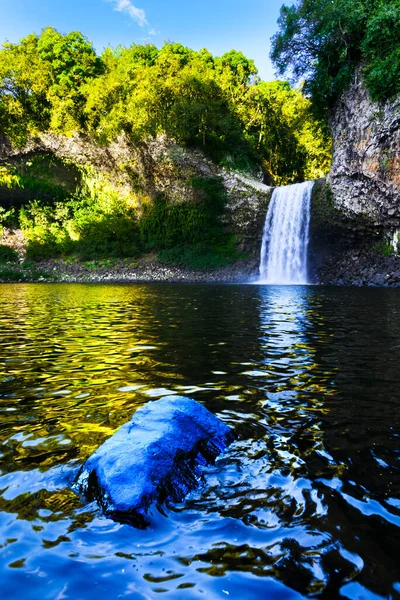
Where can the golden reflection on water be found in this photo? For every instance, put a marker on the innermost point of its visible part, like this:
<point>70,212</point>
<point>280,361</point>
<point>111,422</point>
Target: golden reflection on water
<point>73,363</point>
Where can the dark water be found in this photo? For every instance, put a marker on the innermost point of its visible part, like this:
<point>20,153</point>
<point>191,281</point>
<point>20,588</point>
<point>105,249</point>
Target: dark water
<point>305,503</point>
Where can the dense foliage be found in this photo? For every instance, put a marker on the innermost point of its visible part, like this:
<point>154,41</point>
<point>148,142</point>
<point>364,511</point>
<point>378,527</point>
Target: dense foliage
<point>323,41</point>
<point>94,220</point>
<point>56,83</point>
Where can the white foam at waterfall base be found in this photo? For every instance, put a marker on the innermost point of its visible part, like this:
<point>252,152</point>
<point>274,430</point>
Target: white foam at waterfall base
<point>285,241</point>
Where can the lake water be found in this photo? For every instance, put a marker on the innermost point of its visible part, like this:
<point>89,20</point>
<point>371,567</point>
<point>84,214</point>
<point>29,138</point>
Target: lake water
<point>305,503</point>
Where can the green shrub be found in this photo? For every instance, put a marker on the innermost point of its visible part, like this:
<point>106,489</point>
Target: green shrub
<point>201,255</point>
<point>44,229</point>
<point>7,254</point>
<point>95,222</point>
<point>9,273</point>
<point>8,217</point>
<point>384,249</point>
<point>42,250</point>
<point>165,225</point>
<point>114,236</point>
<point>190,234</point>
<point>99,224</point>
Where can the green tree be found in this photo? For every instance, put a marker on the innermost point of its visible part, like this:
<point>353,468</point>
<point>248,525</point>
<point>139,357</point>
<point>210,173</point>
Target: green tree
<point>71,60</point>
<point>290,143</point>
<point>381,50</point>
<point>55,82</point>
<point>40,81</point>
<point>24,81</point>
<point>322,41</point>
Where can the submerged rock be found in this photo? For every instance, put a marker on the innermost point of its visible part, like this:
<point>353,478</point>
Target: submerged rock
<point>154,458</point>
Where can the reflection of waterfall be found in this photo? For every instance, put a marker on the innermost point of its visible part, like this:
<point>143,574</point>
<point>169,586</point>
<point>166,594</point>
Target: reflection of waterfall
<point>286,235</point>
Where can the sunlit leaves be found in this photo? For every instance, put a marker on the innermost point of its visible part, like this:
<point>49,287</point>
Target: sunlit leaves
<point>56,82</point>
<point>40,80</point>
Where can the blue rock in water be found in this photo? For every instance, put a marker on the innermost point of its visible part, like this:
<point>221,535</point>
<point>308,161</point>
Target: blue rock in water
<point>156,457</point>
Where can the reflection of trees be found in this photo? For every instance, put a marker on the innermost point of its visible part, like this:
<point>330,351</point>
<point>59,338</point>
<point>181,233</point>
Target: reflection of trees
<point>64,354</point>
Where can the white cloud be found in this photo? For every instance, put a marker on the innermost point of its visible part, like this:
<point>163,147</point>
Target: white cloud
<point>152,32</point>
<point>137,14</point>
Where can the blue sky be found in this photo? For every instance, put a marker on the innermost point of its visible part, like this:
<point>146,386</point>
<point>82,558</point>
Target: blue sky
<point>218,25</point>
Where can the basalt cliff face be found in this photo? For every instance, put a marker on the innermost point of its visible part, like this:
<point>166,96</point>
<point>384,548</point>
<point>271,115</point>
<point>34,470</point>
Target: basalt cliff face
<point>356,212</point>
<point>365,173</point>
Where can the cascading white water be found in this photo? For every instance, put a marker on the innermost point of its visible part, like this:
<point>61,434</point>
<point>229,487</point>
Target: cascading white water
<point>286,235</point>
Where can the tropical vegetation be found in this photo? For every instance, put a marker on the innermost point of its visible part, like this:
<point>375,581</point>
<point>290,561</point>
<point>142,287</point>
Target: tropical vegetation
<point>56,83</point>
<point>322,42</point>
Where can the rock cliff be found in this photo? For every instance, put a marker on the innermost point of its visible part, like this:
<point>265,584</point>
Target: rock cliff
<point>365,172</point>
<point>157,166</point>
<point>355,221</point>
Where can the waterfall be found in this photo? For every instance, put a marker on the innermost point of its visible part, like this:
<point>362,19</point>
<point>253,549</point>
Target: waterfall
<point>286,235</point>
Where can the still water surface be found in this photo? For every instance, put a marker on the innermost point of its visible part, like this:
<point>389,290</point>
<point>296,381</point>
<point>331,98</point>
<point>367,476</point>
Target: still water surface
<point>306,503</point>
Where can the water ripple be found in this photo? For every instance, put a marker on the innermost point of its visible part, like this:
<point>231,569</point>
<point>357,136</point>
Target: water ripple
<point>306,502</point>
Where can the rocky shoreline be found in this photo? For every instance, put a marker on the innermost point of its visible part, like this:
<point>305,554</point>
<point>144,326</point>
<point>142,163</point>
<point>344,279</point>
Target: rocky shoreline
<point>123,271</point>
<point>361,269</point>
